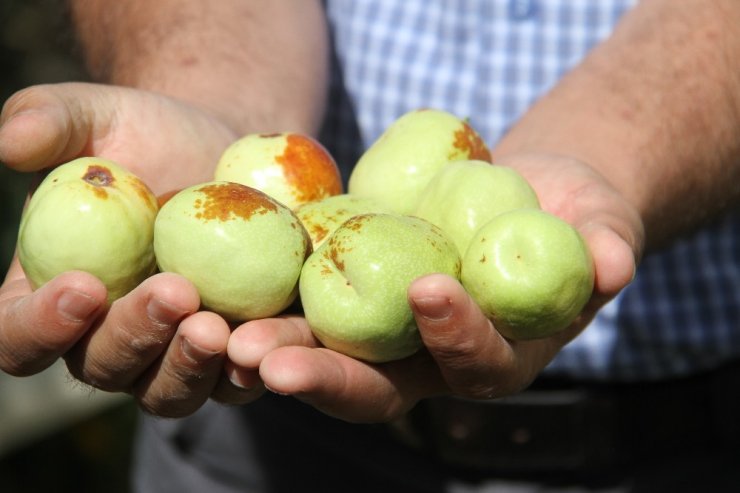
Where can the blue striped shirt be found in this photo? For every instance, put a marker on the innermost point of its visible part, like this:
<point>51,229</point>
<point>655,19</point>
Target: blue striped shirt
<point>489,60</point>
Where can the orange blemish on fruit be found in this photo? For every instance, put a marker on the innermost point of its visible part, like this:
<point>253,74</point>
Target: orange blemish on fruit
<point>224,201</point>
<point>165,197</point>
<point>309,168</point>
<point>143,191</point>
<point>334,257</point>
<point>325,269</point>
<point>319,232</point>
<point>355,223</point>
<point>470,143</point>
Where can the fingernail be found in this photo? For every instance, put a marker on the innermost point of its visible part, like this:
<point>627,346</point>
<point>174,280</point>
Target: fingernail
<point>76,306</point>
<point>195,352</point>
<point>163,313</point>
<point>240,378</point>
<point>433,307</point>
<point>273,391</point>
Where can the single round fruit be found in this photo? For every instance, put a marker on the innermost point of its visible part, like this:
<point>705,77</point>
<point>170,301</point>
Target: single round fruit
<point>465,195</point>
<point>354,287</point>
<point>290,167</point>
<point>530,272</point>
<point>93,215</point>
<point>242,249</point>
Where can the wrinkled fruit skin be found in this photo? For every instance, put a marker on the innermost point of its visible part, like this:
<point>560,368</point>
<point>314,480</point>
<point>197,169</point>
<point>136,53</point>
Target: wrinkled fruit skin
<point>354,287</point>
<point>89,214</point>
<point>291,168</point>
<point>465,195</point>
<point>323,217</point>
<point>241,249</point>
<point>530,272</point>
<point>399,164</point>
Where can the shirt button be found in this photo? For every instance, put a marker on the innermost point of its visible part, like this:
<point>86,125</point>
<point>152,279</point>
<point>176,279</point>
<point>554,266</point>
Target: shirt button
<point>522,9</point>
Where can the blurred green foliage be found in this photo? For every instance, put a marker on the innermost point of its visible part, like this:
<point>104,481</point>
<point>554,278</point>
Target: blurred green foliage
<point>36,48</point>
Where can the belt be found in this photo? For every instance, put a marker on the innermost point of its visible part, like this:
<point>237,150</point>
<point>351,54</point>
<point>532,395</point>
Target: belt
<point>559,426</point>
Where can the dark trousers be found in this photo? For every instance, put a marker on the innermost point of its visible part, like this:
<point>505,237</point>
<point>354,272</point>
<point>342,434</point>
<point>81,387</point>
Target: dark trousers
<point>676,437</point>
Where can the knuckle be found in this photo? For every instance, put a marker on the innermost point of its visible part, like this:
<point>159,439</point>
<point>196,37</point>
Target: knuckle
<point>95,375</point>
<point>25,98</point>
<point>174,390</point>
<point>166,406</point>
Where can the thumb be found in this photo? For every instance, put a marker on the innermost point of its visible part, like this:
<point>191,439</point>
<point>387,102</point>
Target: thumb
<point>45,125</point>
<point>470,353</point>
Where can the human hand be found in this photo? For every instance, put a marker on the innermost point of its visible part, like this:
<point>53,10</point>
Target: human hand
<point>464,355</point>
<point>152,343</point>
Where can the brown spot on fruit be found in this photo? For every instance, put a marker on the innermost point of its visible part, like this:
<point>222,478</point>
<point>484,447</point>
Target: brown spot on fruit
<point>483,259</point>
<point>143,191</point>
<point>339,263</point>
<point>98,177</point>
<point>319,232</point>
<point>471,144</point>
<point>325,269</point>
<point>334,257</point>
<point>224,201</point>
<point>309,168</point>
<point>355,223</point>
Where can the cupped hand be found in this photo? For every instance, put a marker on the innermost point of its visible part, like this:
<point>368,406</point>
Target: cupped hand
<point>152,343</point>
<point>464,355</point>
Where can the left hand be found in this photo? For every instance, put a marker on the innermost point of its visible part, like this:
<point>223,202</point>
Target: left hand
<point>464,355</point>
<point>153,343</point>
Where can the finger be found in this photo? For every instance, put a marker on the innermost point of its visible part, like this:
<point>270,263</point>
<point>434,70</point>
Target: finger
<point>459,337</point>
<point>189,371</point>
<point>346,388</point>
<point>245,388</point>
<point>474,358</point>
<point>47,124</point>
<point>134,333</point>
<point>252,341</point>
<point>614,260</point>
<point>37,328</point>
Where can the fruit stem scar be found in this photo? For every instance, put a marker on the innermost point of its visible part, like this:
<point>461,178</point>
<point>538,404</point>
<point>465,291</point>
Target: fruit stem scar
<point>98,176</point>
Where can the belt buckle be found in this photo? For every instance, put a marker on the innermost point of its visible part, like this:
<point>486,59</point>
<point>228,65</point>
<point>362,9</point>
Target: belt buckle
<point>536,430</point>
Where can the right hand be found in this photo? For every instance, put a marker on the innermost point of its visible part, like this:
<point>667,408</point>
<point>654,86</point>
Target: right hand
<point>153,343</point>
<point>464,354</point>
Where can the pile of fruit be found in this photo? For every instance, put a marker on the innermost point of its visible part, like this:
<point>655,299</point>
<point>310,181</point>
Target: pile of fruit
<point>275,226</point>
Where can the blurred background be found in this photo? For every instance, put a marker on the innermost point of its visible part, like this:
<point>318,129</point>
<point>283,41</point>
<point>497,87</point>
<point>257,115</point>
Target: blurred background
<point>55,435</point>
